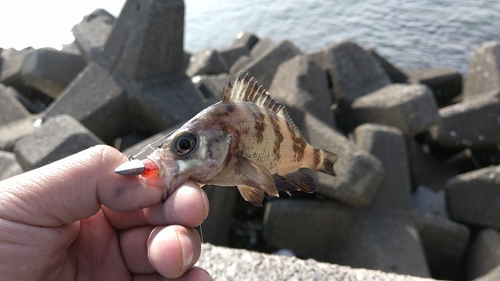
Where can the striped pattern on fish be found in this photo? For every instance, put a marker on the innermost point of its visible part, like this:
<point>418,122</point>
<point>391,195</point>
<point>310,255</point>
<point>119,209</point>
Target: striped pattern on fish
<point>247,140</point>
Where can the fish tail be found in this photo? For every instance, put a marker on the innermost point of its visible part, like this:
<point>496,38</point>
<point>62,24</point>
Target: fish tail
<point>324,161</point>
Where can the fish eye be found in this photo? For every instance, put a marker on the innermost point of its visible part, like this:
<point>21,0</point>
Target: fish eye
<point>184,144</point>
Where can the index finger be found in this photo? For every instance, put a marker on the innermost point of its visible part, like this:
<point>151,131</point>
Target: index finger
<point>74,188</point>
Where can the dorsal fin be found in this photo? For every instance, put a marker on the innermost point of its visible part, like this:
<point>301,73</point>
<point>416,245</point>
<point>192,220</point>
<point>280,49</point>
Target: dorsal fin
<point>250,91</point>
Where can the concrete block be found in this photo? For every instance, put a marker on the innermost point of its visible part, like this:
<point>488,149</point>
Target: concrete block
<point>8,165</point>
<point>493,275</point>
<point>299,84</point>
<point>321,58</point>
<point>430,202</point>
<point>211,85</point>
<point>354,73</point>
<point>239,65</point>
<point>57,138</point>
<point>128,89</point>
<point>245,39</point>
<point>165,102</point>
<point>261,47</point>
<point>484,71</point>
<point>11,108</point>
<point>445,83</point>
<point>472,123</point>
<point>411,108</point>
<point>206,62</point>
<point>388,145</point>
<point>145,28</point>
<point>484,253</point>
<point>445,244</point>
<point>328,231</point>
<point>10,133</point>
<point>395,75</point>
<point>50,71</point>
<point>217,225</point>
<point>104,112</point>
<point>10,73</point>
<point>232,54</point>
<point>247,265</point>
<point>92,33</point>
<point>310,228</point>
<point>265,65</point>
<point>380,232</point>
<point>474,198</point>
<point>358,172</point>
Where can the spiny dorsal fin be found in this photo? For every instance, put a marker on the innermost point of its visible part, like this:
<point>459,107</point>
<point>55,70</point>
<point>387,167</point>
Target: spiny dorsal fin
<point>250,91</point>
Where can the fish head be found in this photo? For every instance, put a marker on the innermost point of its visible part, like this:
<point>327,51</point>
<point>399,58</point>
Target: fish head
<point>190,153</point>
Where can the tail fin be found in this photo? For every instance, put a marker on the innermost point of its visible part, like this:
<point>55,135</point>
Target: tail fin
<point>325,160</point>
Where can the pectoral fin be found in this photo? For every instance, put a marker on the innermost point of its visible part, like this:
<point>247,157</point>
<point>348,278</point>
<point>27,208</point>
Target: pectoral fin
<point>252,194</point>
<point>257,175</point>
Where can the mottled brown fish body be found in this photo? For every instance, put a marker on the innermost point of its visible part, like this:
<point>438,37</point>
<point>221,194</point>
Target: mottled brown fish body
<point>259,134</point>
<point>247,140</point>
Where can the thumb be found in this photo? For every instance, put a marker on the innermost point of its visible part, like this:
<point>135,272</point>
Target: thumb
<point>74,188</point>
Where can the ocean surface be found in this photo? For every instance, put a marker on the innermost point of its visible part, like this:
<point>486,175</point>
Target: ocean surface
<point>410,34</point>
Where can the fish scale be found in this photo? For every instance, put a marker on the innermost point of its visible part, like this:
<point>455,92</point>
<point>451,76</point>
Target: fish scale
<point>247,140</point>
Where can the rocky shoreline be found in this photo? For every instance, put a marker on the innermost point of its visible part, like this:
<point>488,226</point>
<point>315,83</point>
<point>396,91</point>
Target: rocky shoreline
<point>418,185</point>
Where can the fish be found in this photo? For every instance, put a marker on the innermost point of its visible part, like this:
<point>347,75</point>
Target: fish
<point>247,140</point>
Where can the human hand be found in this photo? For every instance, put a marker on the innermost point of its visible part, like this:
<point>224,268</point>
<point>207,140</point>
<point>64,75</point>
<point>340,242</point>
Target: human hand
<point>77,219</point>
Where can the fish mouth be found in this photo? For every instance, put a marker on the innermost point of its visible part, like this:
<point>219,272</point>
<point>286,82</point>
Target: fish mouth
<point>169,171</point>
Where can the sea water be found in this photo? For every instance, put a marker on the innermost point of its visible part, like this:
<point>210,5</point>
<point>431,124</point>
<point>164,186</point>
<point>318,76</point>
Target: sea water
<point>410,34</point>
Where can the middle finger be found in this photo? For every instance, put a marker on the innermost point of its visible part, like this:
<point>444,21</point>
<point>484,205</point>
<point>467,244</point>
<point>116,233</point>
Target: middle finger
<point>187,206</point>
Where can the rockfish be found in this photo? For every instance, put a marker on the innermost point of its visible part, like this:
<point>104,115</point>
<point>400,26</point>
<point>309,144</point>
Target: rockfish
<point>246,140</point>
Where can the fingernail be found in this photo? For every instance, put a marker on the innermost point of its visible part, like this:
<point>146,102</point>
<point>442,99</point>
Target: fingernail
<point>187,251</point>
